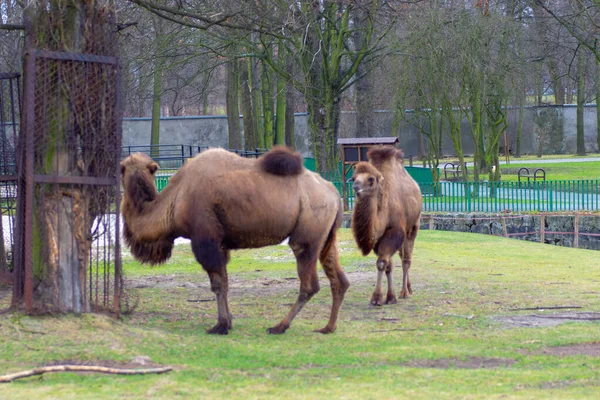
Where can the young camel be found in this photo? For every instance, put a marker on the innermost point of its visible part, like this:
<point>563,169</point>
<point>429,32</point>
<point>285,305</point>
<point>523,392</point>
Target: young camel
<point>223,202</point>
<point>386,216</point>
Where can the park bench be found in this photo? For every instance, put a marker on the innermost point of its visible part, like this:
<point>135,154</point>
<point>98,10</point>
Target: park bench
<point>453,170</point>
<point>524,173</point>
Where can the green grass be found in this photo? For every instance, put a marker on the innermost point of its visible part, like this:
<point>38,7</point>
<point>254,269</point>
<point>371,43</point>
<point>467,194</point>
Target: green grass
<point>460,282</point>
<point>555,171</point>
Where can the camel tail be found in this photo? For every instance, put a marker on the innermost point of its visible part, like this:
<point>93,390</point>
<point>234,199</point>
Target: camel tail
<point>282,161</point>
<point>148,252</point>
<point>379,154</point>
<point>331,238</point>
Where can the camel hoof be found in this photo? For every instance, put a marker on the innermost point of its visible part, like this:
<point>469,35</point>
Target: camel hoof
<point>218,329</point>
<point>391,299</point>
<point>277,329</point>
<point>377,299</point>
<point>325,330</point>
<point>404,294</point>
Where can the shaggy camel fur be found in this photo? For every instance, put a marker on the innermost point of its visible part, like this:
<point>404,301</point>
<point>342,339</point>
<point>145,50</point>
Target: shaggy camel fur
<point>386,215</point>
<point>221,202</point>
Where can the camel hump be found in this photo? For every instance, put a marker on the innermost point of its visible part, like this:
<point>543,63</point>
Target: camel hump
<point>364,167</point>
<point>379,154</point>
<point>282,161</point>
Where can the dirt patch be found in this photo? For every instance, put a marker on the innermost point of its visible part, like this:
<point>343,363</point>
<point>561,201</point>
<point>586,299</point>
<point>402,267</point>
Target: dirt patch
<point>580,349</point>
<point>467,363</point>
<point>544,320</point>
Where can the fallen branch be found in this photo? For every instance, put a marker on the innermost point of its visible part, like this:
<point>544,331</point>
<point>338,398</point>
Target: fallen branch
<point>396,329</point>
<point>200,300</point>
<point>82,368</point>
<point>544,308</point>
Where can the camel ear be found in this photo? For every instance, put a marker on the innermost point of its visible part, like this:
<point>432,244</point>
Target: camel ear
<point>379,178</point>
<point>152,167</point>
<point>122,168</point>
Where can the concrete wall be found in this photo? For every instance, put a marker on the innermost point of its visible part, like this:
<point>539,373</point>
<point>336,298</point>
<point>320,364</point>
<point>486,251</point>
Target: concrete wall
<point>198,131</point>
<point>212,130</point>
<point>558,229</point>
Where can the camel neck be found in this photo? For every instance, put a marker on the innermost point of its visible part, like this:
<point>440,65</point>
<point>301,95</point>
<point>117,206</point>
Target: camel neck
<point>146,212</point>
<point>369,221</point>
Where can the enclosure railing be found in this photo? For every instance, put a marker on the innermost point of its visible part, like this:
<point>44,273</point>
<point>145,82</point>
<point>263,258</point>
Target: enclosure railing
<point>543,196</point>
<point>548,196</point>
<point>500,196</point>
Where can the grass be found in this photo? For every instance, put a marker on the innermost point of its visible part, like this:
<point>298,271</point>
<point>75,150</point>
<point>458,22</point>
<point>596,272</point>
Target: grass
<point>555,171</point>
<point>460,280</point>
<point>567,170</point>
<point>524,157</point>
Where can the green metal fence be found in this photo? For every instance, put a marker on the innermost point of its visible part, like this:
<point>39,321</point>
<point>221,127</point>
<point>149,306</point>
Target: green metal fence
<point>511,196</point>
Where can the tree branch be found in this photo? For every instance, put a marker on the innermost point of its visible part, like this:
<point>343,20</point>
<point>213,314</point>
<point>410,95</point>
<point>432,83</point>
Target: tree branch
<point>12,27</point>
<point>205,23</point>
<point>571,30</point>
<point>82,368</point>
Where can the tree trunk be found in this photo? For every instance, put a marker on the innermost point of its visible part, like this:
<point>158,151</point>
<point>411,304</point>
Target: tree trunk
<point>598,105</point>
<point>557,83</point>
<point>156,103</point>
<point>157,89</point>
<point>233,111</point>
<point>316,123</point>
<point>267,101</point>
<point>205,103</point>
<point>62,216</point>
<point>540,91</point>
<point>477,129</point>
<point>364,87</point>
<point>520,123</point>
<point>247,110</point>
<point>280,111</point>
<point>364,103</point>
<point>253,81</point>
<point>580,103</point>
<point>290,105</point>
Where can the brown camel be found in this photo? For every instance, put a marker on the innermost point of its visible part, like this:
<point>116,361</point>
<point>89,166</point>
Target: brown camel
<point>222,202</point>
<point>386,215</point>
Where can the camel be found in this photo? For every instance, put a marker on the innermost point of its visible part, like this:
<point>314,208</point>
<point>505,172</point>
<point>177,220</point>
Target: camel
<point>223,202</point>
<point>386,215</point>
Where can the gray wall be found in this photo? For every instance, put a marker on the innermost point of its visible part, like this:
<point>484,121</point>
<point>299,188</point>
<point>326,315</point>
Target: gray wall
<point>559,229</point>
<point>212,130</point>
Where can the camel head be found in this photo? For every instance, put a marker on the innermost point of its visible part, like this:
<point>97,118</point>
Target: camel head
<point>366,180</point>
<point>137,175</point>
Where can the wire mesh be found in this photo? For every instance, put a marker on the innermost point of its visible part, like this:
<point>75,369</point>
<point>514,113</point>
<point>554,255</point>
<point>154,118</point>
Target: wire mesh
<point>9,129</point>
<point>70,155</point>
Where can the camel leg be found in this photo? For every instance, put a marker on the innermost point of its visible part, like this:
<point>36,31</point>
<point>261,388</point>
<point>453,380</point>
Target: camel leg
<point>391,295</point>
<point>377,297</point>
<point>306,257</point>
<point>214,261</point>
<point>338,281</point>
<point>406,256</point>
<point>390,242</point>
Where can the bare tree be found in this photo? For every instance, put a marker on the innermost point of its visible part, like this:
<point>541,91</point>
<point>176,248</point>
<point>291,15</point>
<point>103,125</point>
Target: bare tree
<point>318,35</point>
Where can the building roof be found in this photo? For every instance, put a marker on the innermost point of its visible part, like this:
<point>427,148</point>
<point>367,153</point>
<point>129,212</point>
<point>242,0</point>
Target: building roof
<point>366,141</point>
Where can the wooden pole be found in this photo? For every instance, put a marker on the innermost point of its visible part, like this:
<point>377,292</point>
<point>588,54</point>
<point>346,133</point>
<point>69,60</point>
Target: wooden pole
<point>542,228</point>
<point>576,238</point>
